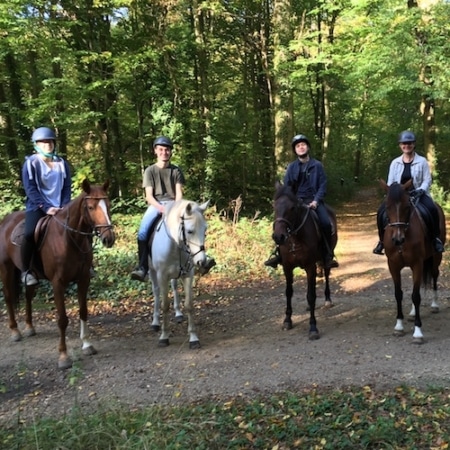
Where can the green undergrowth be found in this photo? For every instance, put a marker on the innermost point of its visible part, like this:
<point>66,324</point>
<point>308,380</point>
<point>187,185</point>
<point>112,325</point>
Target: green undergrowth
<point>402,418</point>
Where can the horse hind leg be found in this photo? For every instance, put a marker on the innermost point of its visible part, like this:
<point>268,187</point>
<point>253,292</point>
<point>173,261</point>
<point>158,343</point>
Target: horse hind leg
<point>289,291</point>
<point>327,292</point>
<point>311,296</point>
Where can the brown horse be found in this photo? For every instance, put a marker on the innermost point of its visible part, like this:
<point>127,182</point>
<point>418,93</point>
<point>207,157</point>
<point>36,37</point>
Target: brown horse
<point>64,255</point>
<point>296,231</point>
<point>407,244</point>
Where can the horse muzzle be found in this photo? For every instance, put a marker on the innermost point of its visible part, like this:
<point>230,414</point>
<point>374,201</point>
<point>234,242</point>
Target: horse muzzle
<point>106,235</point>
<point>279,239</point>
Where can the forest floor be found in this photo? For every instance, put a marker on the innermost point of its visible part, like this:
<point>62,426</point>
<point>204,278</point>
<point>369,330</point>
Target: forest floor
<point>244,350</point>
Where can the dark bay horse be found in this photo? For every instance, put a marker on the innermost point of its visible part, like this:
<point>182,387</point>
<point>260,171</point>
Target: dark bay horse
<point>407,244</point>
<point>64,255</point>
<point>296,231</point>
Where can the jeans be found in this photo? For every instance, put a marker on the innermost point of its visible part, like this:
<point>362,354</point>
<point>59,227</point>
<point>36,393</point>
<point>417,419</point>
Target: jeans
<point>147,220</point>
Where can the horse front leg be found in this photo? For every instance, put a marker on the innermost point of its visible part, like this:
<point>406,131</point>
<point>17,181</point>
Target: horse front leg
<point>416,299</point>
<point>64,361</point>
<point>396,278</point>
<point>30,291</point>
<point>311,297</point>
<point>194,341</point>
<point>176,301</point>
<point>86,347</point>
<point>289,275</point>
<point>165,332</point>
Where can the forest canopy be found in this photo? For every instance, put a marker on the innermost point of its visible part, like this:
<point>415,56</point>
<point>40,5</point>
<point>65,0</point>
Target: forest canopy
<point>231,83</point>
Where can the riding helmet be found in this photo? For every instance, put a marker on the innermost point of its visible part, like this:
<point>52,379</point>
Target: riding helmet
<point>300,138</point>
<point>406,136</point>
<point>42,134</point>
<point>163,140</point>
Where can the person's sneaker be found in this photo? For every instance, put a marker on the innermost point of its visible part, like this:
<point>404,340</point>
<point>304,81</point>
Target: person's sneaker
<point>210,263</point>
<point>139,274</point>
<point>28,279</point>
<point>273,261</point>
<point>378,250</point>
<point>438,245</point>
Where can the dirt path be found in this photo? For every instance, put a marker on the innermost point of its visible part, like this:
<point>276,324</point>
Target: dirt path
<point>244,351</point>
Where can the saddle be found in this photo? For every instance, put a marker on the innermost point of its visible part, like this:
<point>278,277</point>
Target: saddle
<point>151,232</point>
<point>18,233</point>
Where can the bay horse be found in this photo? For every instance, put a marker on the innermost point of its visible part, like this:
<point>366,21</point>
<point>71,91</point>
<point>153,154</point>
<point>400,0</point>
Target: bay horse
<point>407,244</point>
<point>297,233</point>
<point>176,247</point>
<point>64,255</point>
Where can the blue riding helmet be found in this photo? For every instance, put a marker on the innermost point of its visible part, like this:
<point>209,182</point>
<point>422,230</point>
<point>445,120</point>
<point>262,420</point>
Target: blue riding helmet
<point>163,140</point>
<point>300,138</point>
<point>406,136</point>
<point>42,134</point>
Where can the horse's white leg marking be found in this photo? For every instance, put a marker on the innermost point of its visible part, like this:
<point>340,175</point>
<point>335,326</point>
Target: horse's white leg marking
<point>102,205</point>
<point>417,333</point>
<point>399,325</point>
<point>188,306</point>
<point>434,303</point>
<point>84,335</point>
<point>412,313</point>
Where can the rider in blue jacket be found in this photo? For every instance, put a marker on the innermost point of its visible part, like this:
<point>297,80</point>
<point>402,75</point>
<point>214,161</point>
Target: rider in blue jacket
<point>308,180</point>
<point>47,182</point>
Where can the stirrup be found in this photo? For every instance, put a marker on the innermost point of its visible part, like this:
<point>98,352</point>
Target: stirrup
<point>273,261</point>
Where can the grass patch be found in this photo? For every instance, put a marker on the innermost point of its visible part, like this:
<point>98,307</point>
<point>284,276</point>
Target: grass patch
<point>403,418</point>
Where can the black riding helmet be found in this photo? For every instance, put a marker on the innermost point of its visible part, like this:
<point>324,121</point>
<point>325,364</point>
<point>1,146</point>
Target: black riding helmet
<point>300,138</point>
<point>406,136</point>
<point>163,140</point>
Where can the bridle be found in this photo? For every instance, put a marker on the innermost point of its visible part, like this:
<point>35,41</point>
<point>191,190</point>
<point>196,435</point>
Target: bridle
<point>290,228</point>
<point>186,242</point>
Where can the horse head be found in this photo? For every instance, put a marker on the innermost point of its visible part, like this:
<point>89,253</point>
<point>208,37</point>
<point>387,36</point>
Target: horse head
<point>287,208</point>
<point>398,209</point>
<point>96,212</point>
<point>187,225</point>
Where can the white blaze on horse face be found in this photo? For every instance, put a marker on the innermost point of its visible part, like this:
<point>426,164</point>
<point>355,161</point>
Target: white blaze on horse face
<point>104,208</point>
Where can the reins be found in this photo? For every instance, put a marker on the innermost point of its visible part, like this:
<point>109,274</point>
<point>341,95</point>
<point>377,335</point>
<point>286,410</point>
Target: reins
<point>289,225</point>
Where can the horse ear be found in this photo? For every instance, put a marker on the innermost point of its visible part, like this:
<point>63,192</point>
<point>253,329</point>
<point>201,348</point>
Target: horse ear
<point>106,185</point>
<point>86,185</point>
<point>203,206</point>
<point>407,185</point>
<point>383,184</point>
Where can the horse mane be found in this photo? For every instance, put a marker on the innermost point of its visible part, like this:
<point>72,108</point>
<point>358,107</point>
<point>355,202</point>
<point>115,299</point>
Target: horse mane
<point>284,190</point>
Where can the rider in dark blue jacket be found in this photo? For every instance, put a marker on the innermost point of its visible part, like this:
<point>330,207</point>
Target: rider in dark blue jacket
<point>308,180</point>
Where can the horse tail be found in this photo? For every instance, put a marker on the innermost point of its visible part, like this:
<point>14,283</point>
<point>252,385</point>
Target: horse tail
<point>427,276</point>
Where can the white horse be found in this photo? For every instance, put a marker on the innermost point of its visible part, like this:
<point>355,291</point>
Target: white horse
<point>177,247</point>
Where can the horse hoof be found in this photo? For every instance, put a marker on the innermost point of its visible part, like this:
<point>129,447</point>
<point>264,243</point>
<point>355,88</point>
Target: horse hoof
<point>328,304</point>
<point>411,318</point>
<point>314,335</point>
<point>435,309</point>
<point>28,332</point>
<point>399,333</point>
<point>155,328</point>
<point>194,345</point>
<point>163,343</point>
<point>179,319</point>
<point>418,341</point>
<point>16,336</point>
<point>89,351</point>
<point>64,364</point>
<point>287,326</point>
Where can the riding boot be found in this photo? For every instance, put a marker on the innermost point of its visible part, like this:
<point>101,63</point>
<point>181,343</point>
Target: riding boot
<point>27,253</point>
<point>381,221</point>
<point>140,272</point>
<point>274,259</point>
<point>210,263</point>
<point>329,259</point>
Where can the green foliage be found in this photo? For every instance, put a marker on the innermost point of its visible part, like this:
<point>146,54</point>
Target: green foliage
<point>401,418</point>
